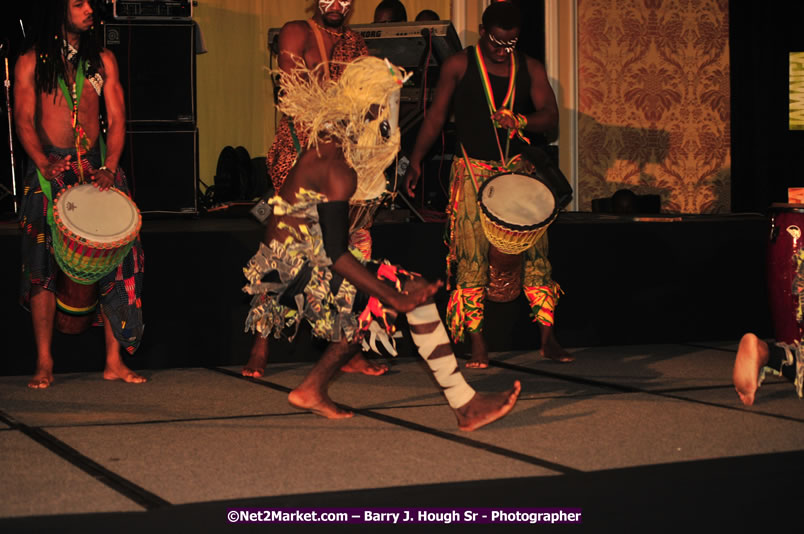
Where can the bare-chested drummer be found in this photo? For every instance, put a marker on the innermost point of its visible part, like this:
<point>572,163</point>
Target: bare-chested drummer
<point>58,86</point>
<point>306,270</point>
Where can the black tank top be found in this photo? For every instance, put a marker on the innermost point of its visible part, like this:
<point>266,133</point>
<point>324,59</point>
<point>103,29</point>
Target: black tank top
<point>472,122</point>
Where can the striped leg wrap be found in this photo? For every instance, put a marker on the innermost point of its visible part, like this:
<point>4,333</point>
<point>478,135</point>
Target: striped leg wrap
<point>431,338</point>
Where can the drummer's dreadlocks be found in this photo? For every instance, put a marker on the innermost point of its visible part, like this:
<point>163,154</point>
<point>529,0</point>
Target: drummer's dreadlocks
<point>49,44</point>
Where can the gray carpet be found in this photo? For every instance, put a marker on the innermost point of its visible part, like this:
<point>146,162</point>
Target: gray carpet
<point>208,437</point>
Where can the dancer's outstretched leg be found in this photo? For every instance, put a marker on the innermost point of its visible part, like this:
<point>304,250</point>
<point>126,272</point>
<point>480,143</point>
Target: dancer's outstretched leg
<point>473,410</point>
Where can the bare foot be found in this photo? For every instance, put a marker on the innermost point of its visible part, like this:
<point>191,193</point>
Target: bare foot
<point>317,403</point>
<point>485,408</point>
<point>42,378</point>
<point>255,366</point>
<point>752,354</point>
<point>359,364</point>
<point>480,354</point>
<point>553,351</point>
<point>121,372</point>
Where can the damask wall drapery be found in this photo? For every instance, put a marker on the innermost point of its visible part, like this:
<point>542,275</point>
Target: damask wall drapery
<point>653,79</point>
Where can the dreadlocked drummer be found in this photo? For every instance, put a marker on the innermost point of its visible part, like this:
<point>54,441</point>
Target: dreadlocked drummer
<point>57,92</point>
<point>305,269</point>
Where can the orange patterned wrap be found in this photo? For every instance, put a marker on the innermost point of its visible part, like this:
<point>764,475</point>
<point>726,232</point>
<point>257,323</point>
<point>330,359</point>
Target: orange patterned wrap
<point>542,301</point>
<point>465,311</point>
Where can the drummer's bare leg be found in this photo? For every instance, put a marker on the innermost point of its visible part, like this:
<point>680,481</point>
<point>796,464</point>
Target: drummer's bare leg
<point>550,347</point>
<point>115,368</point>
<point>480,354</point>
<point>43,311</point>
<point>258,358</point>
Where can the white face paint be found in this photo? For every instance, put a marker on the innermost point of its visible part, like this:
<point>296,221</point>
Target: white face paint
<point>325,5</point>
<point>507,45</point>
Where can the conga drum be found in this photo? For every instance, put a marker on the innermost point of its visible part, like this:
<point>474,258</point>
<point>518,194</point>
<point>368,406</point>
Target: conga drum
<point>93,232</point>
<point>786,227</point>
<point>515,211</point>
<point>76,305</point>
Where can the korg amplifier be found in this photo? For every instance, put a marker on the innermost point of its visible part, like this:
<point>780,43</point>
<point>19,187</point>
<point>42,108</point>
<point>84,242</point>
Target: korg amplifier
<point>153,9</point>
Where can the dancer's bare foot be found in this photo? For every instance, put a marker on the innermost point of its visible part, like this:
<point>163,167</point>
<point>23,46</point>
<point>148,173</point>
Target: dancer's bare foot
<point>42,378</point>
<point>121,372</point>
<point>318,403</point>
<point>752,354</point>
<point>359,364</point>
<point>255,366</point>
<point>551,349</point>
<point>480,354</point>
<point>485,408</point>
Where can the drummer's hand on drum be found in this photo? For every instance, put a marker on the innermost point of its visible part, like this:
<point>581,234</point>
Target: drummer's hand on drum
<point>412,176</point>
<point>103,178</point>
<point>56,167</point>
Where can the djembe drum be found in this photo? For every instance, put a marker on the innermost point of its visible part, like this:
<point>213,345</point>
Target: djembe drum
<point>787,225</point>
<point>516,210</point>
<point>93,232</point>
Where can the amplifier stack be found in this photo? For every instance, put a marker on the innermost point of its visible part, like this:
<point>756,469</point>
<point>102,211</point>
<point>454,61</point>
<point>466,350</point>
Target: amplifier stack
<point>156,61</point>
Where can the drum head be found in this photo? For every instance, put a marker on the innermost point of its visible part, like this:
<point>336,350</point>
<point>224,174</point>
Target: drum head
<point>518,201</point>
<point>99,216</point>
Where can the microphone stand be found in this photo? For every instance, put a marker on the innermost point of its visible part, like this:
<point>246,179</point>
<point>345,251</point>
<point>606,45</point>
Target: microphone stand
<point>13,193</point>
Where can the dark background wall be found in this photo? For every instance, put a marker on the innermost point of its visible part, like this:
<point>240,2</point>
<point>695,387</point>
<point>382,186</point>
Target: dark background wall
<point>625,282</point>
<point>766,155</point>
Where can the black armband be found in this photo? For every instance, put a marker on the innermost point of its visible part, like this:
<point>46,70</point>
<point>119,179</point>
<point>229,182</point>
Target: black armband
<point>334,220</point>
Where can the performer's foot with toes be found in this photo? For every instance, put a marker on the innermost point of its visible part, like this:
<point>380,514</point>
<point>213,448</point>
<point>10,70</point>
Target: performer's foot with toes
<point>116,369</point>
<point>480,355</point>
<point>752,354</point>
<point>360,364</point>
<point>255,366</point>
<point>43,377</point>
<point>316,402</point>
<point>121,372</point>
<point>551,349</point>
<point>485,408</point>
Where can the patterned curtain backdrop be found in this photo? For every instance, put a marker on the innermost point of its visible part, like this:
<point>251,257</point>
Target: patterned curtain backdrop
<point>654,102</point>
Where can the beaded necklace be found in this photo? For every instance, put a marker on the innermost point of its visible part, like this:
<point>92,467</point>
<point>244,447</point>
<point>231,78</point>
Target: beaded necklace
<point>73,97</point>
<point>334,33</point>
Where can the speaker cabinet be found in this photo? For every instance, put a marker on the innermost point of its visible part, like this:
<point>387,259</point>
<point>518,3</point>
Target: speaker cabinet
<point>162,169</point>
<point>157,69</point>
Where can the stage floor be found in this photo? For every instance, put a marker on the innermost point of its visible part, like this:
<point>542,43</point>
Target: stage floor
<point>638,437</point>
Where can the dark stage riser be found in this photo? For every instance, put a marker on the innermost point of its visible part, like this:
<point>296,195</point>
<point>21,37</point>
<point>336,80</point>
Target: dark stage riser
<point>625,282</point>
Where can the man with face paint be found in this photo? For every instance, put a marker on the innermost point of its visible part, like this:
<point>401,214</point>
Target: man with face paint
<point>306,270</point>
<point>496,93</point>
<point>323,39</point>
